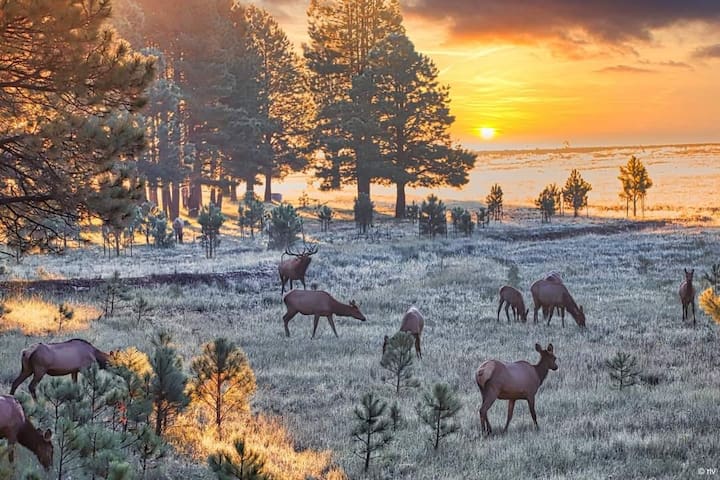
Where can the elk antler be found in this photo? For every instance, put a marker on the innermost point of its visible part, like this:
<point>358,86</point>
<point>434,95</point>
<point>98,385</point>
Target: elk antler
<point>288,251</point>
<point>312,250</point>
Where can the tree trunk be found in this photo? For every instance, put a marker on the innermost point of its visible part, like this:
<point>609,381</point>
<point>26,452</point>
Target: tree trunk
<point>250,184</point>
<point>166,200</point>
<point>175,201</point>
<point>212,196</point>
<point>153,194</point>
<point>194,197</point>
<point>634,205</point>
<point>268,185</point>
<point>219,198</point>
<point>400,201</point>
<point>233,192</point>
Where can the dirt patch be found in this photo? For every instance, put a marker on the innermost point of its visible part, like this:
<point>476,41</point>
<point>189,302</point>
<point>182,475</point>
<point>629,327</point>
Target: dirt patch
<point>551,232</point>
<point>81,284</point>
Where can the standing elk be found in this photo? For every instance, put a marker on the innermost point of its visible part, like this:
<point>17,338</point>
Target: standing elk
<point>512,298</point>
<point>412,323</point>
<point>57,359</point>
<point>295,268</point>
<point>549,294</point>
<point>17,428</point>
<point>319,304</point>
<point>512,381</point>
<point>687,294</point>
<point>178,225</point>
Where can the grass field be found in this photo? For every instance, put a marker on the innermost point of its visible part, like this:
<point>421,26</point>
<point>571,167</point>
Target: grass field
<point>665,427</point>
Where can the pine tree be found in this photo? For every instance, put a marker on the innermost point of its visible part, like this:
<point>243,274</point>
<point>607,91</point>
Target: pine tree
<point>66,121</point>
<point>412,112</point>
<point>65,314</point>
<point>575,191</point>
<point>548,201</point>
<point>709,301</point>
<point>371,424</point>
<point>433,218</point>
<point>495,203</point>
<point>251,213</point>
<point>141,308</point>
<point>623,369</point>
<point>167,384</point>
<point>113,290</point>
<point>398,359</point>
<point>342,34</point>
<point>438,411</point>
<point>222,381</point>
<point>285,103</point>
<point>211,219</point>
<point>284,226</point>
<point>635,183</point>
<point>242,465</point>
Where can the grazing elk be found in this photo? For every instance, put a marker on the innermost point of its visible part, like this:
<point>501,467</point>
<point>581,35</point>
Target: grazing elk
<point>319,304</point>
<point>295,268</point>
<point>511,382</point>
<point>687,294</point>
<point>549,294</point>
<point>56,359</point>
<point>178,225</point>
<point>412,323</point>
<point>17,428</point>
<point>512,298</point>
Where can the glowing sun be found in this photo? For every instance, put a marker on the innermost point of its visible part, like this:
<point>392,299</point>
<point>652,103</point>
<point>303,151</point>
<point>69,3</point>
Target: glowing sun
<point>487,133</point>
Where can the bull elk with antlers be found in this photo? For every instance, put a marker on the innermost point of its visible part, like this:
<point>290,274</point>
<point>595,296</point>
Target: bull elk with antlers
<point>295,268</point>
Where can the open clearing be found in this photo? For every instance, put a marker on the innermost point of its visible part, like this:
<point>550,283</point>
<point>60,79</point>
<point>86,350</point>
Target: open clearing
<point>665,427</point>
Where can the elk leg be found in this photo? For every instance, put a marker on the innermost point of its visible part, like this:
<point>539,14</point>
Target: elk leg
<point>418,352</point>
<point>549,317</point>
<point>332,324</point>
<point>11,452</point>
<point>499,308</point>
<point>24,374</point>
<point>286,319</point>
<point>315,324</point>
<point>284,281</point>
<point>511,407</point>
<point>693,308</point>
<point>531,404</point>
<point>562,317</point>
<point>507,307</point>
<point>74,377</point>
<point>33,383</point>
<point>488,400</point>
<point>303,282</point>
<point>535,319</point>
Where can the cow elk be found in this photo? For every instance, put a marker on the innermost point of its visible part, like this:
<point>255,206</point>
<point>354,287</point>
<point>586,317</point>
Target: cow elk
<point>511,382</point>
<point>512,298</point>
<point>687,294</point>
<point>17,428</point>
<point>412,323</point>
<point>319,304</point>
<point>295,268</point>
<point>549,294</point>
<point>57,359</point>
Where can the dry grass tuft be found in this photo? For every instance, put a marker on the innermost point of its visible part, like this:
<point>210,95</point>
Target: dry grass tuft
<point>37,316</point>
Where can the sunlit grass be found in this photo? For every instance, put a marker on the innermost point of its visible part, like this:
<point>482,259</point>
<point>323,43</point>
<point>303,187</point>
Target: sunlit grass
<point>263,435</point>
<point>37,316</point>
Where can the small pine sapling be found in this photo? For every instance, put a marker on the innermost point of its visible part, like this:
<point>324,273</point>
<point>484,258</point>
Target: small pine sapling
<point>241,465</point>
<point>438,410</point>
<point>398,359</point>
<point>141,308</point>
<point>710,303</point>
<point>113,290</point>
<point>623,370</point>
<point>65,314</point>
<point>372,428</point>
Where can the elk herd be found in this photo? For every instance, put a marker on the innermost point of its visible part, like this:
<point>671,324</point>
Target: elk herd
<point>497,380</point>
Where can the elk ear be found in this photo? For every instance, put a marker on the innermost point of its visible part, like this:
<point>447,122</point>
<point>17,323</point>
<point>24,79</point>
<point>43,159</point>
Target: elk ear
<point>538,347</point>
<point>692,270</point>
<point>550,348</point>
<point>352,303</point>
<point>685,270</point>
<point>47,435</point>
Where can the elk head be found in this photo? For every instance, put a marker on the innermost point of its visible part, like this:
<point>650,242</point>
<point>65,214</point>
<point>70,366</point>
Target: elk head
<point>523,315</point>
<point>580,319</point>
<point>43,447</point>
<point>547,356</point>
<point>356,313</point>
<point>304,256</point>
<point>689,275</point>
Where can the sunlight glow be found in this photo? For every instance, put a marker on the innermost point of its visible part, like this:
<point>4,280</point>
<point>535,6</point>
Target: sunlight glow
<point>487,133</point>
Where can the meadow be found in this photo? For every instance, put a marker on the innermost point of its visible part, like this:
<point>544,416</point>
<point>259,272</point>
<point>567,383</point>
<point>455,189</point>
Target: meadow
<point>664,427</point>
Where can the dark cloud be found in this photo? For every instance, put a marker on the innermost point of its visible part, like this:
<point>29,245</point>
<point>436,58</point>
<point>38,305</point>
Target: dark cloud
<point>711,51</point>
<point>609,22</point>
<point>670,64</point>
<point>624,69</point>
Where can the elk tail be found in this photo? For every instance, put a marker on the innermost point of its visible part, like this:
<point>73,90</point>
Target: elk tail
<point>484,373</point>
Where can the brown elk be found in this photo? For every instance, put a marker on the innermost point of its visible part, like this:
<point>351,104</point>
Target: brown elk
<point>549,294</point>
<point>412,323</point>
<point>319,304</point>
<point>17,428</point>
<point>295,268</point>
<point>512,298</point>
<point>687,294</point>
<point>512,381</point>
<point>56,359</point>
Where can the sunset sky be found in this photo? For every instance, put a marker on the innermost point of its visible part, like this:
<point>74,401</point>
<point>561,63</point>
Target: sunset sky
<point>545,72</point>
